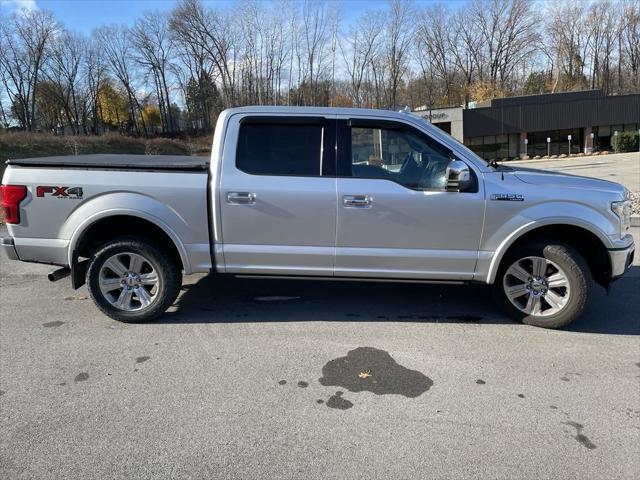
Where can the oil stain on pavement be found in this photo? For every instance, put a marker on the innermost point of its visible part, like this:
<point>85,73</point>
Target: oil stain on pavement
<point>56,323</point>
<point>336,401</point>
<point>583,439</point>
<point>142,359</point>
<point>81,377</point>
<point>384,376</point>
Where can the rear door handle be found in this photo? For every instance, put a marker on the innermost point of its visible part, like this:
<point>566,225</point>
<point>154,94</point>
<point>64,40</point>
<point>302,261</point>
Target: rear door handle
<point>241,198</point>
<point>357,201</point>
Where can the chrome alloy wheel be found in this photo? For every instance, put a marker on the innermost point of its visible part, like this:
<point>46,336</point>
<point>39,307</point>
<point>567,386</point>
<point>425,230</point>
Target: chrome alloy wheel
<point>129,281</point>
<point>536,286</point>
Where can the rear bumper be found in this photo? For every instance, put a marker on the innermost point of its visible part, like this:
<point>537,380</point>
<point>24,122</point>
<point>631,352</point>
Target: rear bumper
<point>8,248</point>
<point>37,250</point>
<point>621,260</point>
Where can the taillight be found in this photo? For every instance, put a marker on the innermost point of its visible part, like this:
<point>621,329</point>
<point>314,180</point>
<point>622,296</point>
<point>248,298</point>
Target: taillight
<point>11,196</point>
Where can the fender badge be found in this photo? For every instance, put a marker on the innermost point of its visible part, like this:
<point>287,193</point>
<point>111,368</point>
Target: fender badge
<point>59,192</point>
<point>508,197</point>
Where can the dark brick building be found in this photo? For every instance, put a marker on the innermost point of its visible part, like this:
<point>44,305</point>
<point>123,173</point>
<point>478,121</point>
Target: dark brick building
<point>541,124</point>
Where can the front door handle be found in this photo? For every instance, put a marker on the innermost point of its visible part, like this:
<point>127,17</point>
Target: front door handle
<point>241,198</point>
<point>357,201</point>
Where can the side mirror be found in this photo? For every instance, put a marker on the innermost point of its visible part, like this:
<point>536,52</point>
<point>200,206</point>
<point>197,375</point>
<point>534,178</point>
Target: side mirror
<point>458,176</point>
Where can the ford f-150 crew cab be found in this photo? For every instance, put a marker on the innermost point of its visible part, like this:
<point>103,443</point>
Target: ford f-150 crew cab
<point>318,192</point>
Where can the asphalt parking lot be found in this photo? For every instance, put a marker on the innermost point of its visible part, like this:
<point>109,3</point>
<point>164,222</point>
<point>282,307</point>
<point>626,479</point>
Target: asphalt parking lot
<point>255,379</point>
<point>246,379</point>
<point>623,168</point>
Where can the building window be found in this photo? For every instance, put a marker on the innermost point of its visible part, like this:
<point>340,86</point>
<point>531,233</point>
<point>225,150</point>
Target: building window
<point>494,147</point>
<point>603,134</point>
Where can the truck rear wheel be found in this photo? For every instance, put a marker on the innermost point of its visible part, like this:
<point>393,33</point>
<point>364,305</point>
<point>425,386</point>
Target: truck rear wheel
<point>543,284</point>
<point>131,279</point>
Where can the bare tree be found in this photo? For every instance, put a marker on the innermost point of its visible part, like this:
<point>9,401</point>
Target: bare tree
<point>65,74</point>
<point>24,38</point>
<point>435,49</point>
<point>150,37</point>
<point>630,42</point>
<point>568,38</point>
<point>314,44</point>
<point>194,69</point>
<point>360,46</point>
<point>466,50</point>
<point>508,34</point>
<point>95,70</point>
<point>398,40</point>
<point>213,33</point>
<point>116,44</point>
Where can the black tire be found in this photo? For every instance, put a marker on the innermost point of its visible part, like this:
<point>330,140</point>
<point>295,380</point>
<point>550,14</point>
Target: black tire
<point>575,269</point>
<point>168,272</point>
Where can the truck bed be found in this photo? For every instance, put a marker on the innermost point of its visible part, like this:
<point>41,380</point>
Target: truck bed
<point>117,162</point>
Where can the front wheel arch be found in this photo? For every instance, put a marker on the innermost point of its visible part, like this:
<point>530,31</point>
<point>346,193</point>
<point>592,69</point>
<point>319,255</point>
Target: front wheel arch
<point>588,245</point>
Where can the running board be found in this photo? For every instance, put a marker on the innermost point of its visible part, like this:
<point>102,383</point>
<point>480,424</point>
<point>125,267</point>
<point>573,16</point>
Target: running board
<point>354,279</point>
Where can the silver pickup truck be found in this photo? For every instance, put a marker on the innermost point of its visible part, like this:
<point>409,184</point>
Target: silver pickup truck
<point>316,193</point>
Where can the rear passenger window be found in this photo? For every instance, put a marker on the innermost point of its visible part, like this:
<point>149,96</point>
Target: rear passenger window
<point>279,149</point>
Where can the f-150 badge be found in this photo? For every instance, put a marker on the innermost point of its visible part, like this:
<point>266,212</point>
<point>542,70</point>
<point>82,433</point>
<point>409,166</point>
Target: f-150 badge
<point>59,192</point>
<point>508,197</point>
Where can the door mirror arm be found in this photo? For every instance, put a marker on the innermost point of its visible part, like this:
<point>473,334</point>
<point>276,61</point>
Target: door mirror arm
<point>458,176</point>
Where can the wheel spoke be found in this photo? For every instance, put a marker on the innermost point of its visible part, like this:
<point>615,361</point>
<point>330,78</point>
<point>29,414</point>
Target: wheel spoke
<point>557,280</point>
<point>149,278</point>
<point>143,296</point>
<point>135,263</point>
<point>520,273</point>
<point>539,294</point>
<point>132,289</point>
<point>109,284</point>
<point>539,266</point>
<point>116,266</point>
<point>554,300</point>
<point>124,300</point>
<point>533,305</point>
<point>516,291</point>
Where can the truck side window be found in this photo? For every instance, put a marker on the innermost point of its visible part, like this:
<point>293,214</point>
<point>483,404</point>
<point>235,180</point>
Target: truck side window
<point>400,156</point>
<point>279,149</point>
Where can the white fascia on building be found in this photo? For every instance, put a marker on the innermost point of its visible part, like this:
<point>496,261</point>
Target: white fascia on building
<point>448,119</point>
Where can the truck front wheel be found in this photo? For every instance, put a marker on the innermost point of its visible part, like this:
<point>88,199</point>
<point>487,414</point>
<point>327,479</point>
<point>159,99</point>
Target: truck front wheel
<point>543,284</point>
<point>131,279</point>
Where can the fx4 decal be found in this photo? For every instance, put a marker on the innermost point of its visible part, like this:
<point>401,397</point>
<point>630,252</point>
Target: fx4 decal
<point>59,192</point>
<point>508,197</point>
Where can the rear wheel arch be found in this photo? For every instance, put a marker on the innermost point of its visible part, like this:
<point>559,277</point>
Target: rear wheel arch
<point>89,238</point>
